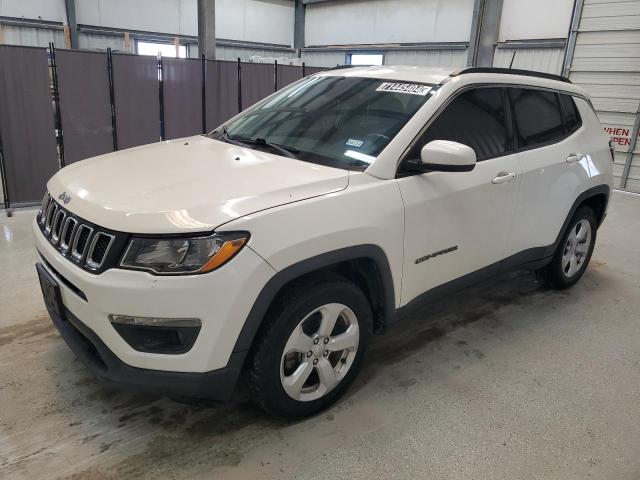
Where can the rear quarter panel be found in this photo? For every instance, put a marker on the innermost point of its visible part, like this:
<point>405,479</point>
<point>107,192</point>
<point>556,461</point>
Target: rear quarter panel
<point>596,145</point>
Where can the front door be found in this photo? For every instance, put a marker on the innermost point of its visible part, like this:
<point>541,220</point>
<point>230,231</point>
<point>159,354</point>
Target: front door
<point>458,223</point>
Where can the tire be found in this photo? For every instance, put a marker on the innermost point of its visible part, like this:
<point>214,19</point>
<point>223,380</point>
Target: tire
<point>563,272</point>
<point>301,316</point>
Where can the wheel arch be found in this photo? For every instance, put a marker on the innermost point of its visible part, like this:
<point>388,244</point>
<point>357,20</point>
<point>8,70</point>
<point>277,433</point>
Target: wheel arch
<point>366,265</point>
<point>595,197</point>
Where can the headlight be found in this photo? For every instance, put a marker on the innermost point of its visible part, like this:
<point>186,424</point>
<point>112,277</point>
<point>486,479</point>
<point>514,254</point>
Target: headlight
<point>171,256</point>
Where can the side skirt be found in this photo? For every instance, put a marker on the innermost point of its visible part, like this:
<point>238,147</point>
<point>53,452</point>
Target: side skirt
<point>530,259</point>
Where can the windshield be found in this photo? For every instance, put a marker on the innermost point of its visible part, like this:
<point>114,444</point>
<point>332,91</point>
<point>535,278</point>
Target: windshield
<point>342,122</point>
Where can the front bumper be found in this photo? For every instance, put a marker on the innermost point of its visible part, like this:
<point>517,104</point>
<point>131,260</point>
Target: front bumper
<point>221,300</point>
<point>216,385</point>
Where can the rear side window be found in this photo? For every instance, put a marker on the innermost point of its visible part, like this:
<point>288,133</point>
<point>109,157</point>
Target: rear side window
<point>475,118</point>
<point>572,121</point>
<point>537,117</point>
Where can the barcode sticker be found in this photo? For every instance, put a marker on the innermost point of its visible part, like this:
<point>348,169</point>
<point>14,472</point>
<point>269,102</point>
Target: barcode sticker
<point>409,88</point>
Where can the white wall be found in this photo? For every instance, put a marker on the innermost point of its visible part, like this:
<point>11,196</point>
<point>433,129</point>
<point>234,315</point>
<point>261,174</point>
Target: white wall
<point>265,21</point>
<point>388,21</point>
<point>539,19</point>
<point>162,16</point>
<point>262,21</point>
<point>52,10</point>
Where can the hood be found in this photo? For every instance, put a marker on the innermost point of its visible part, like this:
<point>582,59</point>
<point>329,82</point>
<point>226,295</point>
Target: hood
<point>189,185</point>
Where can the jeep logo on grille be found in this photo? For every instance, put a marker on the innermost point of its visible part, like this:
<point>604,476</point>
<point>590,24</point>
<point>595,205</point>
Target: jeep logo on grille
<point>64,198</point>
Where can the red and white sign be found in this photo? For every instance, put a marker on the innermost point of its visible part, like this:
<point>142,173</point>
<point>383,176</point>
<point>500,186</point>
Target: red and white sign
<point>620,136</point>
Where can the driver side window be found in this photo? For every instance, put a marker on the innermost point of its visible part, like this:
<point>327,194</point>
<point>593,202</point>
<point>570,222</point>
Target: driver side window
<point>475,118</point>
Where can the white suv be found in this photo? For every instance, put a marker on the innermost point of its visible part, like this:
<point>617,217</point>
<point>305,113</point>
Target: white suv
<point>270,250</point>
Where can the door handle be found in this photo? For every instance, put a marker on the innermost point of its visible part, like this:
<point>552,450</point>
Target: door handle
<point>504,177</point>
<point>574,158</point>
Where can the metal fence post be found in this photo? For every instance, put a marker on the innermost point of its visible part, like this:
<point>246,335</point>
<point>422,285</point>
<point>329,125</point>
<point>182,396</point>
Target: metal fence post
<point>239,86</point>
<point>275,75</point>
<point>56,103</point>
<point>304,73</point>
<point>161,97</point>
<point>203,78</point>
<point>3,178</point>
<point>112,100</point>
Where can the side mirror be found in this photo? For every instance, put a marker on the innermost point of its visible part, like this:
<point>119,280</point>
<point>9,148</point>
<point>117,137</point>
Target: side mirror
<point>446,156</point>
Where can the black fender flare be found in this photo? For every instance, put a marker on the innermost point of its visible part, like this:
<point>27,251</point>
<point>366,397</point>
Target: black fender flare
<point>590,192</point>
<point>309,265</point>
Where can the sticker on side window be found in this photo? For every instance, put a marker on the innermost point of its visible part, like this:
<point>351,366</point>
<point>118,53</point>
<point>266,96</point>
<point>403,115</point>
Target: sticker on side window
<point>410,88</point>
<point>352,142</point>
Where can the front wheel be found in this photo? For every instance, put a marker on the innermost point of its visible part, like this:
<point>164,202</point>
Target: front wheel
<point>311,348</point>
<point>573,253</point>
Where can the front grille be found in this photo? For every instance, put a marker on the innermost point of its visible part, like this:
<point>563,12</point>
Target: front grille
<point>91,247</point>
<point>98,250</point>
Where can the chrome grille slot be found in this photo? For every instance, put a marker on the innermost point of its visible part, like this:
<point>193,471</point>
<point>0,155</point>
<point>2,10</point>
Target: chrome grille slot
<point>67,233</point>
<point>43,207</point>
<point>51,211</point>
<point>98,249</point>
<point>86,244</point>
<point>56,225</point>
<point>81,241</point>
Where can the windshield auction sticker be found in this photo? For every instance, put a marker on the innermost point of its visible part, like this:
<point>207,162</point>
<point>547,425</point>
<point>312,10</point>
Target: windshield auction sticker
<point>410,88</point>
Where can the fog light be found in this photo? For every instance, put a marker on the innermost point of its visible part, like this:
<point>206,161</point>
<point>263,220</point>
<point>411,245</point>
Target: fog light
<point>170,336</point>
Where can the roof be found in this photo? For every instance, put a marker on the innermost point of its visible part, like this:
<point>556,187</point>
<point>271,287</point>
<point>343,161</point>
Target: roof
<point>438,75</point>
<point>432,75</point>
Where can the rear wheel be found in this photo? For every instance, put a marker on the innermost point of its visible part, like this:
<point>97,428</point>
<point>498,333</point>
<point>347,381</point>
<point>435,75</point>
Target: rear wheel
<point>573,253</point>
<point>311,349</point>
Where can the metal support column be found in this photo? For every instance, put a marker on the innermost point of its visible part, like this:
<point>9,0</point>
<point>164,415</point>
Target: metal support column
<point>298,26</point>
<point>207,28</point>
<point>70,7</point>
<point>485,28</point>
<point>629,160</point>
<point>570,46</point>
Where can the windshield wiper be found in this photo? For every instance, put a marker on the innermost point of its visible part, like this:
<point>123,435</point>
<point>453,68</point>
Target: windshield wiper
<point>285,150</point>
<point>224,135</point>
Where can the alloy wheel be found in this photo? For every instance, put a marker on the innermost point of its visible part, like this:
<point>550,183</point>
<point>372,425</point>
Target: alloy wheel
<point>576,248</point>
<point>319,352</point>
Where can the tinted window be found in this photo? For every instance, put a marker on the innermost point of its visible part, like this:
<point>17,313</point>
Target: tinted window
<point>570,113</point>
<point>475,118</point>
<point>537,116</point>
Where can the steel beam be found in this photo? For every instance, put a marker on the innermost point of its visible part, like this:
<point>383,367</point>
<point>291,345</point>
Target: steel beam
<point>70,7</point>
<point>207,28</point>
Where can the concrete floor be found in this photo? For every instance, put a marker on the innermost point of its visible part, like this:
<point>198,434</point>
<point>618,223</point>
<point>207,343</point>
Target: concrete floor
<point>505,380</point>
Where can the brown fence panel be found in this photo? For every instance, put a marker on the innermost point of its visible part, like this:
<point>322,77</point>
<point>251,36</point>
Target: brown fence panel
<point>257,82</point>
<point>182,85</point>
<point>85,108</point>
<point>288,74</point>
<point>311,70</point>
<point>135,85</point>
<point>26,122</point>
<point>221,92</point>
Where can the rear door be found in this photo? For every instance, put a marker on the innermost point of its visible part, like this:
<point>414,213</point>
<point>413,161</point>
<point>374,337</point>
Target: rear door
<point>552,162</point>
<point>457,223</point>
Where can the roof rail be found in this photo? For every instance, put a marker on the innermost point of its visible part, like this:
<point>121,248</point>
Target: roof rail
<point>511,71</point>
<point>342,67</point>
